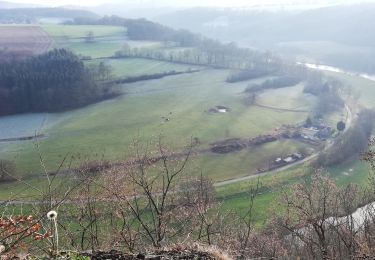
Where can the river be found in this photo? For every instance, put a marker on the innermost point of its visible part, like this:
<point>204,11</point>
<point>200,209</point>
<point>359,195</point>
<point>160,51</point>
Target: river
<point>368,211</point>
<point>337,70</point>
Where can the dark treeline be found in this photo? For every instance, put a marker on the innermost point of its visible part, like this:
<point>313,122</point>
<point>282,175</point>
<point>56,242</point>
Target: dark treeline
<point>352,143</point>
<point>54,81</point>
<point>207,53</point>
<point>280,82</point>
<point>251,73</point>
<point>148,77</point>
<point>204,51</point>
<point>9,56</point>
<point>327,92</point>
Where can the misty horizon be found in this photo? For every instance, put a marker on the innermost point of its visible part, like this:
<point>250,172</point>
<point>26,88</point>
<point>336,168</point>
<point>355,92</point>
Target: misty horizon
<point>193,3</point>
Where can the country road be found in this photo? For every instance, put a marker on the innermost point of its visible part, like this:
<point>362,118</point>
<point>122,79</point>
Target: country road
<point>329,144</point>
<point>349,120</point>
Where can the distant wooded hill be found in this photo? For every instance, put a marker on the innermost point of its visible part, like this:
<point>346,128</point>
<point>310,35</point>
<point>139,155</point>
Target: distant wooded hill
<point>339,35</point>
<point>344,24</point>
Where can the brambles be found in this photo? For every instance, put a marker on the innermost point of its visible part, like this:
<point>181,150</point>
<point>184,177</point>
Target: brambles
<point>7,170</point>
<point>19,231</point>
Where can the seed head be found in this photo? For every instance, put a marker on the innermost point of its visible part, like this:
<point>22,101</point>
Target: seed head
<point>52,215</point>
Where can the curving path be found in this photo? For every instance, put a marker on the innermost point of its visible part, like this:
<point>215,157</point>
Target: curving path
<point>329,144</point>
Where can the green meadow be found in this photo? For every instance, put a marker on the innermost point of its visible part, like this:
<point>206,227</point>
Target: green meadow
<point>109,128</point>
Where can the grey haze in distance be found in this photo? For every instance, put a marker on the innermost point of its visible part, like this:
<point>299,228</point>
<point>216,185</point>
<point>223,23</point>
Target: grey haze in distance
<point>191,3</point>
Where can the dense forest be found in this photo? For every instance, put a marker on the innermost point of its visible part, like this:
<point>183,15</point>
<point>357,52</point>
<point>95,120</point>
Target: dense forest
<point>351,144</point>
<point>54,81</point>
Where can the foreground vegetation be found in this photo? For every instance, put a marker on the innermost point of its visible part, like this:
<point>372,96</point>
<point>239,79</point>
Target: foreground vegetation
<point>149,205</point>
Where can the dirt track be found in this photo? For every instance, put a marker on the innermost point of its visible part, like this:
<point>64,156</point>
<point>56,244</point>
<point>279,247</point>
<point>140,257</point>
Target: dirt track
<point>349,120</point>
<point>282,109</point>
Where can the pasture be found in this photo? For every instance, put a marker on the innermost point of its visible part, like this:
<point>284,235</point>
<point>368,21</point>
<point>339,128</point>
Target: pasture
<point>176,108</point>
<point>128,67</point>
<point>109,128</point>
<point>81,31</point>
<point>361,89</point>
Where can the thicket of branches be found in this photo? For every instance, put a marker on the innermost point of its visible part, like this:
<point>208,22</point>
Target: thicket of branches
<point>54,81</point>
<point>153,201</point>
<point>279,82</point>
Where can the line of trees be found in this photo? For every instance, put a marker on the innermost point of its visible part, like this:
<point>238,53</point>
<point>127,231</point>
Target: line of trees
<point>279,82</point>
<point>204,51</point>
<point>160,75</point>
<point>207,53</point>
<point>352,143</point>
<point>327,91</point>
<point>54,81</point>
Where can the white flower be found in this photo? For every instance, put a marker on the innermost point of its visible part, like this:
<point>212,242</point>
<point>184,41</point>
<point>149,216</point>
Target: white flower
<point>2,249</point>
<point>52,215</point>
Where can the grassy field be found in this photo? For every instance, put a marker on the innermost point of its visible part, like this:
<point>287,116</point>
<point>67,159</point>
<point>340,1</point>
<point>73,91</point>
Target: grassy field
<point>107,129</point>
<point>363,90</point>
<point>136,67</point>
<point>79,31</point>
<point>288,98</point>
<point>106,39</point>
<point>110,127</point>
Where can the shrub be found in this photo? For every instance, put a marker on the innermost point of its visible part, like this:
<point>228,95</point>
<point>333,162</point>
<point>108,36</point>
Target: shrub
<point>7,170</point>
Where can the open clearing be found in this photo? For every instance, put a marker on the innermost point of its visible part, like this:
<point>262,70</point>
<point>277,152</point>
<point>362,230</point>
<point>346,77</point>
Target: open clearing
<point>291,98</point>
<point>80,31</point>
<point>26,39</point>
<point>128,67</point>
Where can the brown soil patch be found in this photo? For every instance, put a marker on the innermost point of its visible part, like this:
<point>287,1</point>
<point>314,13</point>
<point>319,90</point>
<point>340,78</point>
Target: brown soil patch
<point>237,144</point>
<point>228,146</point>
<point>24,39</point>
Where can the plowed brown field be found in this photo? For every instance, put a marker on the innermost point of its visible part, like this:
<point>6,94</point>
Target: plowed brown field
<point>25,39</point>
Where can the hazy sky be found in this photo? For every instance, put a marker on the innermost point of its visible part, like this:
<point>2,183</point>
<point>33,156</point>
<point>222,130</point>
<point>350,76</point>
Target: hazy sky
<point>185,2</point>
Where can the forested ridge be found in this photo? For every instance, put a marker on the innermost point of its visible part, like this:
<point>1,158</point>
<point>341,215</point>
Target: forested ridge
<point>54,81</point>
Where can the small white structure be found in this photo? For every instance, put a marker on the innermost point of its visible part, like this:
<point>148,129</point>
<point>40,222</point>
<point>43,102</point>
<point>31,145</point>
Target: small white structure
<point>222,110</point>
<point>278,160</point>
<point>289,160</point>
<point>298,156</point>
